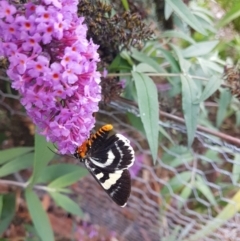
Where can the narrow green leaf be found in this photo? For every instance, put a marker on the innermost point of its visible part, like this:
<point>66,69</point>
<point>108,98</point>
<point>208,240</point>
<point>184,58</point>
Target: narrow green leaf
<point>223,103</point>
<point>184,64</point>
<point>176,183</point>
<point>9,154</point>
<point>208,66</point>
<point>41,158</point>
<point>8,211</point>
<point>197,8</point>
<point>205,22</point>
<point>144,58</point>
<point>185,194</point>
<point>164,133</point>
<point>32,232</point>
<point>145,68</point>
<point>205,190</point>
<point>149,109</point>
<point>150,48</point>
<point>210,155</point>
<point>226,214</point>
<point>55,171</point>
<point>125,4</point>
<point>236,169</point>
<point>20,163</point>
<point>66,203</point>
<point>119,64</point>
<point>231,14</point>
<point>212,85</point>
<point>39,216</point>
<point>199,49</point>
<point>202,17</point>
<point>172,61</point>
<point>167,10</point>
<point>190,95</point>
<point>66,180</point>
<point>185,14</point>
<point>177,34</point>
<point>126,56</point>
<point>176,156</point>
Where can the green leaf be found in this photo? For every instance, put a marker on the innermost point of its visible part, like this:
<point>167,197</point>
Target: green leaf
<point>177,34</point>
<point>205,22</point>
<point>167,11</point>
<point>20,163</point>
<point>208,66</point>
<point>205,190</point>
<point>67,179</point>
<point>185,194</point>
<point>32,233</point>
<point>172,61</point>
<point>39,216</point>
<point>176,183</point>
<point>212,85</point>
<point>190,95</point>
<point>125,55</point>
<point>67,204</point>
<point>125,4</point>
<point>236,169</point>
<point>196,8</point>
<point>184,64</point>
<point>41,158</point>
<point>164,133</point>
<point>199,49</point>
<point>232,14</point>
<point>8,211</point>
<point>9,154</point>
<point>228,212</point>
<point>55,171</point>
<point>119,64</point>
<point>210,155</point>
<point>185,14</point>
<point>149,109</point>
<point>223,103</point>
<point>203,17</point>
<point>144,58</point>
<point>176,156</point>
<point>145,68</point>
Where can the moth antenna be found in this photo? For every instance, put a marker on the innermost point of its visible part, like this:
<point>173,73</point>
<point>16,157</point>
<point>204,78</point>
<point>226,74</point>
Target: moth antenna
<point>58,153</point>
<point>53,151</point>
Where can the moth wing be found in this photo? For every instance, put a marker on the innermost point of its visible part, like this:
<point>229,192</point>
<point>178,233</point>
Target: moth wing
<point>117,184</point>
<point>116,154</point>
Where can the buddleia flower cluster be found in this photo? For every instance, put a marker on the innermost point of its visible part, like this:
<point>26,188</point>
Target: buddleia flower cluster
<point>53,66</point>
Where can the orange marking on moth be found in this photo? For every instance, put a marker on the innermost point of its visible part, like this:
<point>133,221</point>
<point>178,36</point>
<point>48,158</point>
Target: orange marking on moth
<point>107,127</point>
<point>82,149</point>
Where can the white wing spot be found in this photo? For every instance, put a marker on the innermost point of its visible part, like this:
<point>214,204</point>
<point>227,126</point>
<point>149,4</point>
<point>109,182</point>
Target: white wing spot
<point>113,177</point>
<point>99,175</point>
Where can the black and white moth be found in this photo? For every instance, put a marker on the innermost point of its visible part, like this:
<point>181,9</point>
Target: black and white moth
<point>108,160</point>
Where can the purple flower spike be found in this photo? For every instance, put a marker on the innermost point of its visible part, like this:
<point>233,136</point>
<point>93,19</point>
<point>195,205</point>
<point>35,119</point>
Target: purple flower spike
<point>53,66</point>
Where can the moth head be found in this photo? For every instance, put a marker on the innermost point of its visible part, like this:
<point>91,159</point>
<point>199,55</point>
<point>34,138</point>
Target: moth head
<point>81,151</point>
